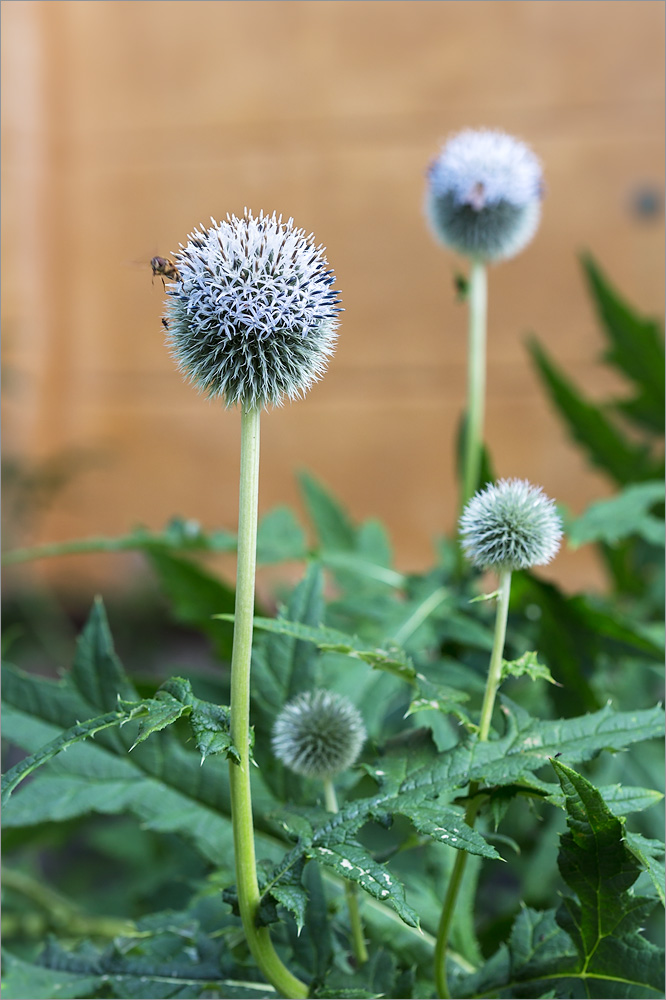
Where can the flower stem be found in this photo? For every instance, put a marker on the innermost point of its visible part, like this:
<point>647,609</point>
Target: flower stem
<point>258,938</point>
<point>356,924</point>
<point>474,804</point>
<point>476,381</point>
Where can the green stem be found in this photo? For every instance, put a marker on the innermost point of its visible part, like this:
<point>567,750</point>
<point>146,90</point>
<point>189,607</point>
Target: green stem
<point>356,924</point>
<point>476,381</point>
<point>495,669</point>
<point>258,938</point>
<point>474,804</point>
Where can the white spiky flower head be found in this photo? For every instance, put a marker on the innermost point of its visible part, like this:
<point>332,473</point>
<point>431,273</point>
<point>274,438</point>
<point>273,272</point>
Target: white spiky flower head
<point>484,194</point>
<point>253,316</point>
<point>318,734</point>
<point>510,525</point>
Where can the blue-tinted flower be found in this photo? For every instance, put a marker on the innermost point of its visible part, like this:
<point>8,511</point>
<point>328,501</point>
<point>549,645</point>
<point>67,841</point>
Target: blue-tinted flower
<point>318,734</point>
<point>253,316</point>
<point>484,194</point>
<point>510,525</point>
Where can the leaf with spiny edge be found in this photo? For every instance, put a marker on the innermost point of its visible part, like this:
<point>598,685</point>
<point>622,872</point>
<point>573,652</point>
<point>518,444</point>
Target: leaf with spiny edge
<point>82,731</point>
<point>603,919</point>
<point>527,664</point>
<point>392,659</point>
<point>592,945</point>
<point>353,862</point>
<point>650,854</point>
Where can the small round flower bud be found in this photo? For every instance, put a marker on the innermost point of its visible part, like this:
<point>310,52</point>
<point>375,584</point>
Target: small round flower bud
<point>318,734</point>
<point>510,525</point>
<point>484,195</point>
<point>252,316</point>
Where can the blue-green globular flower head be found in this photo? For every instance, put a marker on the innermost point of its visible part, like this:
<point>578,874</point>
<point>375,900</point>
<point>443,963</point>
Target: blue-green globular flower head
<point>484,194</point>
<point>318,734</point>
<point>510,525</point>
<point>253,316</point>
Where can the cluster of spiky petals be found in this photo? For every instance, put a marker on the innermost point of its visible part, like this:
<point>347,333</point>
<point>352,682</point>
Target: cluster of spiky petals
<point>510,525</point>
<point>318,734</point>
<point>253,316</point>
<point>484,194</point>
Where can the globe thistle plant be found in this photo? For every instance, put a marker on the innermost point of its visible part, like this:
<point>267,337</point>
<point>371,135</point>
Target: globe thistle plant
<point>318,734</point>
<point>484,194</point>
<point>252,318</point>
<point>483,200</point>
<point>510,525</point>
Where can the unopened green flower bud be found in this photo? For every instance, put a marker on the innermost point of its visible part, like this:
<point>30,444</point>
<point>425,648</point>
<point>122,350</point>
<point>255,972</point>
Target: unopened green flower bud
<point>318,734</point>
<point>510,525</point>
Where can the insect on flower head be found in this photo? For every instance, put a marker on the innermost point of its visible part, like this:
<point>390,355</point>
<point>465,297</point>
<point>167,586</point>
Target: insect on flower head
<point>253,315</point>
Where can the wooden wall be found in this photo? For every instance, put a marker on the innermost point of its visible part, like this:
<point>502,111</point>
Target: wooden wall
<point>127,123</point>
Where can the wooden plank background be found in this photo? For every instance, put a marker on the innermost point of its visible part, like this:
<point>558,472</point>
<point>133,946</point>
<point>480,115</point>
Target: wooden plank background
<point>125,124</point>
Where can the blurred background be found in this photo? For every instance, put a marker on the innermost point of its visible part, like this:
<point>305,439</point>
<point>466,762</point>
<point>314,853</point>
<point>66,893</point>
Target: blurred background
<point>127,124</point>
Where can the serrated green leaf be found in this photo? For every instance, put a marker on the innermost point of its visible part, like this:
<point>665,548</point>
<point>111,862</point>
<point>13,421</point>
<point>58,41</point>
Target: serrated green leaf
<point>527,664</point>
<point>529,743</point>
<point>604,920</point>
<point>162,711</point>
<point>444,825</point>
<point>161,782</point>
<point>650,854</point>
<point>440,698</point>
<point>96,672</point>
<point>537,949</point>
<point>622,516</point>
<point>85,730</point>
<point>605,446</point>
<point>393,660</point>
<point>351,861</point>
<point>636,348</point>
<point>331,522</point>
<point>288,890</point>
<point>211,728</point>
<point>620,799</point>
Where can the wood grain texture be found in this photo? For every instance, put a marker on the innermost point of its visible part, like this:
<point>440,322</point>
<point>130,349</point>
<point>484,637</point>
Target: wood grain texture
<point>126,124</point>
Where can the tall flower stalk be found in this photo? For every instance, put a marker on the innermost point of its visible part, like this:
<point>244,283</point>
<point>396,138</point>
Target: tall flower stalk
<point>476,380</point>
<point>251,319</point>
<point>508,526</point>
<point>258,938</point>
<point>483,201</point>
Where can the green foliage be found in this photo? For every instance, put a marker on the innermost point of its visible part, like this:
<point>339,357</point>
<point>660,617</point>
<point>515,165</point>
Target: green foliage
<point>623,516</point>
<point>117,826</point>
<point>635,348</point>
<point>592,944</point>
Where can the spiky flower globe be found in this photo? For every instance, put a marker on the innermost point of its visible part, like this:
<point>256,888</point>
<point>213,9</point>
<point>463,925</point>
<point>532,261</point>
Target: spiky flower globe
<point>318,734</point>
<point>510,525</point>
<point>253,315</point>
<point>484,194</point>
